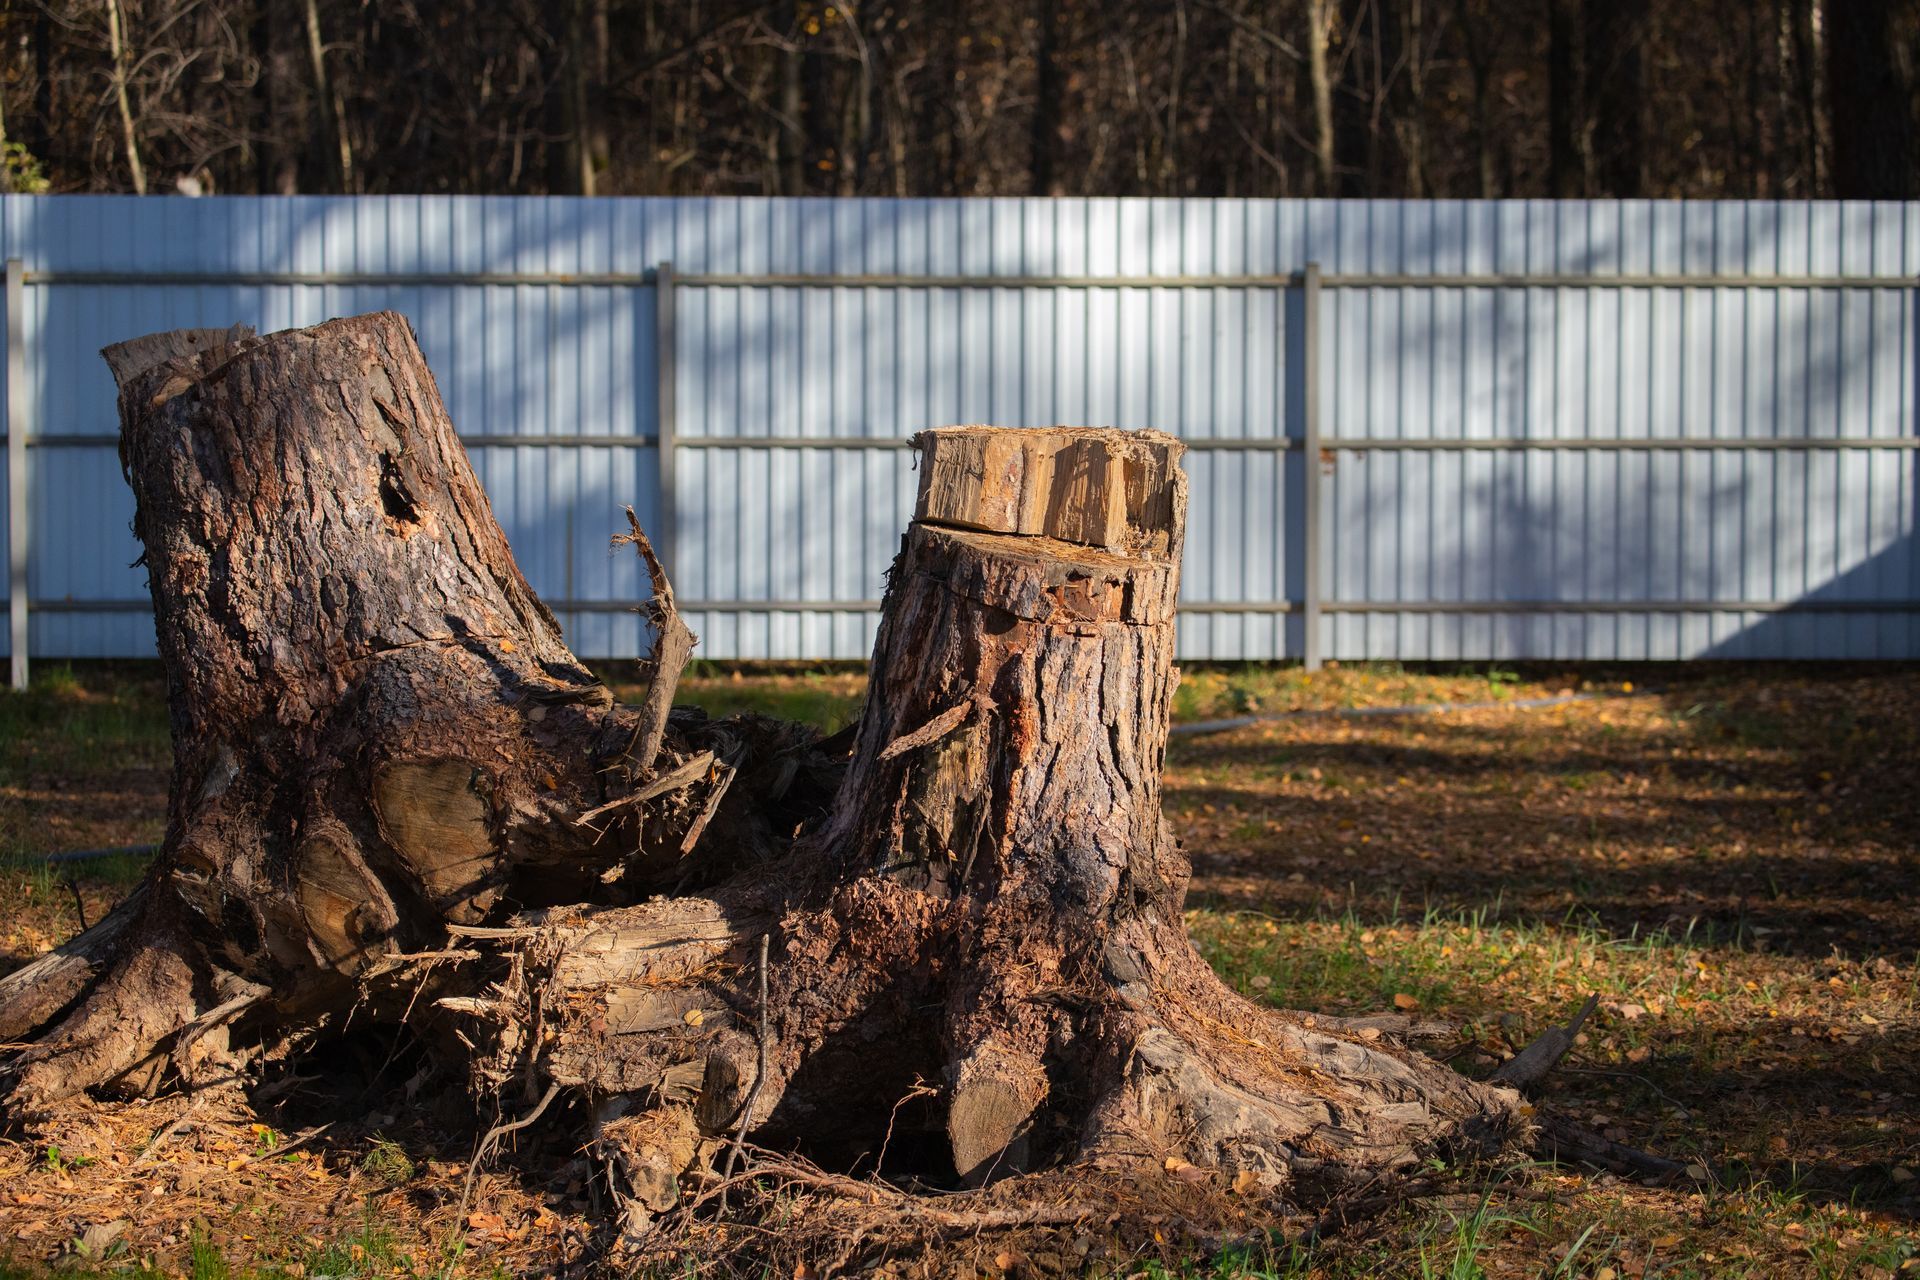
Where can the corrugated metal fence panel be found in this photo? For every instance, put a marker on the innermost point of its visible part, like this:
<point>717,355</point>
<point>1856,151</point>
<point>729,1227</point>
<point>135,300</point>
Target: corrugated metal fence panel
<point>762,362</point>
<point>511,360</point>
<point>765,362</point>
<point>1660,526</point>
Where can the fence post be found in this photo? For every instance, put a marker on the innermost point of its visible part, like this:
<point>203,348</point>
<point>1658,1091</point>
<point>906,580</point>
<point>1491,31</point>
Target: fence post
<point>665,372</point>
<point>1310,405</point>
<point>17,532</point>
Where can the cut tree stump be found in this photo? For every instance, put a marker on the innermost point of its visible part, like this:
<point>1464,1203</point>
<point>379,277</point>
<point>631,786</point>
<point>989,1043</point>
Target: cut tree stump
<point>396,789</point>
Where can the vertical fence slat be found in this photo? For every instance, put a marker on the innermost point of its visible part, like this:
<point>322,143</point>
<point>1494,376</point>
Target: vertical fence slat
<point>1310,415</point>
<point>17,534</point>
<point>666,370</point>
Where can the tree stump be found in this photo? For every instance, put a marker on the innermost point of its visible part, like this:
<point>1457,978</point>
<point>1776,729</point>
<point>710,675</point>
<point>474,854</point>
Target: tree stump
<point>390,771</point>
<point>378,730</point>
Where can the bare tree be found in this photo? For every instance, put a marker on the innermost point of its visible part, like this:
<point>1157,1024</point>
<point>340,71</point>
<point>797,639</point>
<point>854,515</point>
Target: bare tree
<point>117,47</point>
<point>1320,15</point>
<point>1279,97</point>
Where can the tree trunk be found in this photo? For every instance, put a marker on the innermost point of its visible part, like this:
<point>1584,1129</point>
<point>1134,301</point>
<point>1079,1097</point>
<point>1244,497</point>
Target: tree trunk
<point>1616,32</point>
<point>129,133</point>
<point>381,740</point>
<point>1319,18</point>
<point>1870,102</point>
<point>790,140</point>
<point>1044,135</point>
<point>1810,61</point>
<point>334,142</point>
<point>377,727</point>
<point>1566,168</point>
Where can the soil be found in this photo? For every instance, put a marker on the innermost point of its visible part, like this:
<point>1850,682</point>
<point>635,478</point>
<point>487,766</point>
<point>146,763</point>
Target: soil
<point>1725,855</point>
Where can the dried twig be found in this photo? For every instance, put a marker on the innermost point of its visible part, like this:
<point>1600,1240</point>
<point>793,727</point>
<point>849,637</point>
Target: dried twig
<point>486,932</point>
<point>79,903</point>
<point>768,1164</point>
<point>759,1076</point>
<point>671,649</point>
<point>303,1139</point>
<point>712,806</point>
<point>166,1134</point>
<point>1529,1066</point>
<point>222,1013</point>
<point>930,732</point>
<point>1561,1138</point>
<point>493,1136</point>
<point>921,1089</point>
<point>680,777</point>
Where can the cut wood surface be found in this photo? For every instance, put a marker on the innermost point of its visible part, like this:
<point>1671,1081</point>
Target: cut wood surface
<point>1105,488</point>
<point>706,931</point>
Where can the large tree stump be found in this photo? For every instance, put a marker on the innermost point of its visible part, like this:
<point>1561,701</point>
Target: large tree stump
<point>381,738</point>
<point>378,730</point>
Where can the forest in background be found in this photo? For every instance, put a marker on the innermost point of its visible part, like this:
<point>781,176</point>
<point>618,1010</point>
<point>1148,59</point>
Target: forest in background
<point>1392,98</point>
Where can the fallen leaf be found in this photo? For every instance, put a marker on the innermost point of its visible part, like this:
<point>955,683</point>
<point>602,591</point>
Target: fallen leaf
<point>695,1017</point>
<point>96,1238</point>
<point>1402,1000</point>
<point>1245,1181</point>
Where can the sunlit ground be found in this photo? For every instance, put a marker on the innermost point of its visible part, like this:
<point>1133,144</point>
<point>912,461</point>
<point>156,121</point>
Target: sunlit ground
<point>1727,857</point>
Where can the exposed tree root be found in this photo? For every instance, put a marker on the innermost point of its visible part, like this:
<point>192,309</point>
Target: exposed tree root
<point>398,795</point>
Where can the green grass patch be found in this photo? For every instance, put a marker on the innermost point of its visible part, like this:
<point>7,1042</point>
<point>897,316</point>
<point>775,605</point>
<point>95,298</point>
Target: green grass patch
<point>66,723</point>
<point>1457,963</point>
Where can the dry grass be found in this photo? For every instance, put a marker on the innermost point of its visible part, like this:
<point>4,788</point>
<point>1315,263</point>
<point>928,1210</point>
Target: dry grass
<point>1727,857</point>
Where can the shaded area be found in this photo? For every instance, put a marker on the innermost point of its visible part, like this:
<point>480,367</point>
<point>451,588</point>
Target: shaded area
<point>1770,810</point>
<point>1726,861</point>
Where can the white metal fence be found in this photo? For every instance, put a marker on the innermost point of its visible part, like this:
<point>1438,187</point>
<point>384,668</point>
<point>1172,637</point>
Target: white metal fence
<point>1420,430</point>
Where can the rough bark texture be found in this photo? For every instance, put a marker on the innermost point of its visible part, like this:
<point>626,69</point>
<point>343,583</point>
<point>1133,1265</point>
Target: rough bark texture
<point>978,953</point>
<point>378,729</point>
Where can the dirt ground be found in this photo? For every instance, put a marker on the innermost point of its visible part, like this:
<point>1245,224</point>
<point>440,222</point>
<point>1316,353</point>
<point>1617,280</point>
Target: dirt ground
<point>1726,856</point>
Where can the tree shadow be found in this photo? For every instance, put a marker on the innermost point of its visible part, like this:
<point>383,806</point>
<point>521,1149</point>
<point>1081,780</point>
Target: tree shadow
<point>1762,812</point>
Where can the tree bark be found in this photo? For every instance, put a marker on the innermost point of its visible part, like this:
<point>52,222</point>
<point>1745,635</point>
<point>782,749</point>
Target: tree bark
<point>1044,135</point>
<point>1319,17</point>
<point>334,141</point>
<point>1566,169</point>
<point>383,742</point>
<point>1616,86</point>
<point>1870,103</point>
<point>377,727</point>
<point>1810,62</point>
<point>129,134</point>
